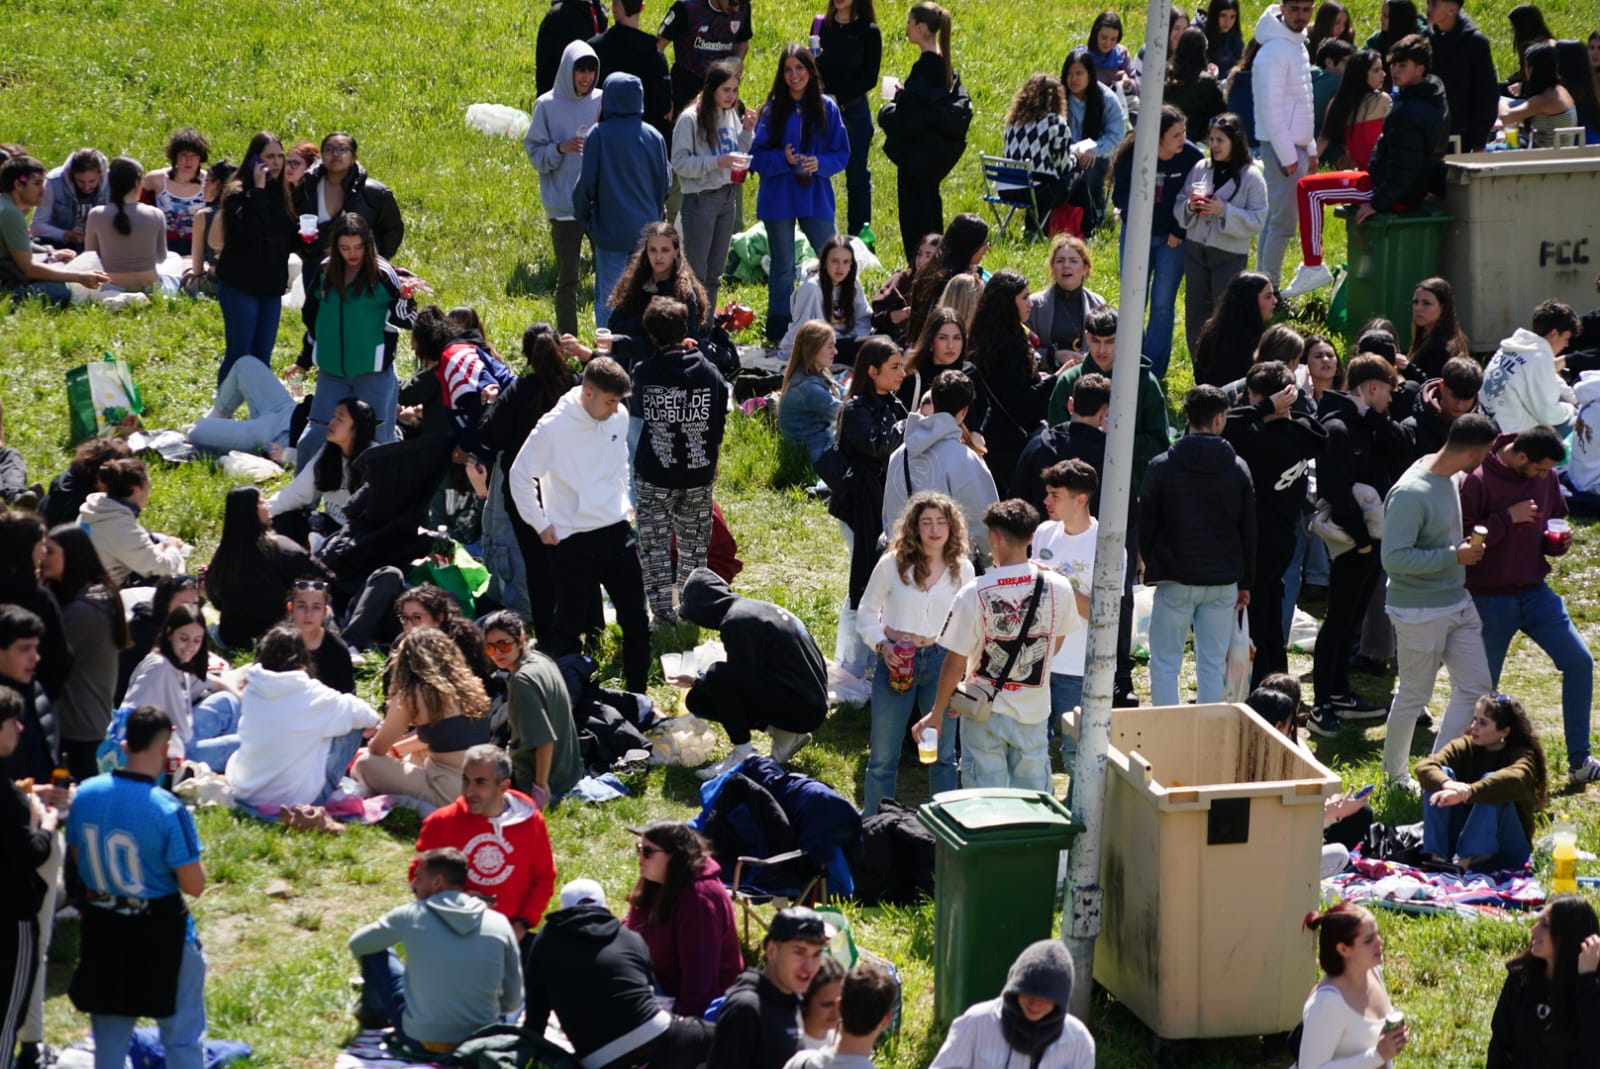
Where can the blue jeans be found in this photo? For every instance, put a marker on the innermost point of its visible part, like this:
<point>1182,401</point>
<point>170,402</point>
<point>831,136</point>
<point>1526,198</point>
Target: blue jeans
<point>55,293</point>
<point>380,389</point>
<point>1469,830</point>
<point>1066,692</point>
<point>1166,271</point>
<point>182,1035</point>
<point>341,751</point>
<point>216,730</point>
<point>857,178</point>
<point>1209,609</point>
<point>1004,752</point>
<point>383,989</point>
<point>609,264</point>
<point>780,280</point>
<point>1539,613</point>
<point>892,713</point>
<point>250,383</point>
<point>249,326</point>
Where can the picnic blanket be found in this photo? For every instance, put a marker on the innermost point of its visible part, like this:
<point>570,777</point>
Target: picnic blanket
<point>1388,885</point>
<point>367,1051</point>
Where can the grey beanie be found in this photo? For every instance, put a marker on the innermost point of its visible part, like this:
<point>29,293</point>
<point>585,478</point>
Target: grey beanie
<point>1042,970</point>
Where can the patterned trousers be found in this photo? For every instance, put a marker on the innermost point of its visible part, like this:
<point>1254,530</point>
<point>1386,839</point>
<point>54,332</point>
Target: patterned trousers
<point>662,513</point>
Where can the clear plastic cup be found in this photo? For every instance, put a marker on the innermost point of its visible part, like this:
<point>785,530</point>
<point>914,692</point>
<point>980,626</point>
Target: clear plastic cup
<point>602,341</point>
<point>928,746</point>
<point>741,167</point>
<point>308,228</point>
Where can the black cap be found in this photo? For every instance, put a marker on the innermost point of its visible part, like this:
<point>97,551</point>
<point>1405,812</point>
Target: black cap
<point>798,922</point>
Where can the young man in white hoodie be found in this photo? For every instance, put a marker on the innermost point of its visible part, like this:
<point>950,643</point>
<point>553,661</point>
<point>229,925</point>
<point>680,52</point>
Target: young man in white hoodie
<point>1285,123</point>
<point>570,483</point>
<point>554,143</point>
<point>1522,386</point>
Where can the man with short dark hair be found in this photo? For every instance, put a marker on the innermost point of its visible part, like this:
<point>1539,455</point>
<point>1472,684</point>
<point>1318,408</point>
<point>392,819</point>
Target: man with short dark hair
<point>71,191</point>
<point>501,834</point>
<point>932,456</point>
<point>1006,626</point>
<point>627,48</point>
<point>20,634</point>
<point>680,406</point>
<point>1462,56</point>
<point>137,852</point>
<point>1435,622</point>
<point>1327,70</point>
<point>866,1006</point>
<point>1515,496</point>
<point>759,1026</point>
<point>25,264</point>
<point>1197,535</point>
<point>462,970</point>
<point>1150,418</point>
<point>1082,437</point>
<point>1522,384</point>
<point>570,482</point>
<point>1441,402</point>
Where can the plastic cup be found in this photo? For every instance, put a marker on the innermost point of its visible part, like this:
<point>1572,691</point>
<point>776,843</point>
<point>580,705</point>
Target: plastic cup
<point>602,341</point>
<point>583,135</point>
<point>1555,534</point>
<point>741,167</point>
<point>891,86</point>
<point>928,746</point>
<point>308,228</point>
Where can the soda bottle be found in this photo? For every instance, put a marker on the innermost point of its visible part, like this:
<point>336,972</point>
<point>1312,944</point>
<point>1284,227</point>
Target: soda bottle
<point>1564,860</point>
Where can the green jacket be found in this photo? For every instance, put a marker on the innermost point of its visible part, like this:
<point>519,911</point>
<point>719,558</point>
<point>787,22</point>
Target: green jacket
<point>1496,777</point>
<point>356,331</point>
<point>1150,434</point>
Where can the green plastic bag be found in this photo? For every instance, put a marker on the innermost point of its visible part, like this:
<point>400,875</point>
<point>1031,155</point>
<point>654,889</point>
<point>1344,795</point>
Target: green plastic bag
<point>463,578</point>
<point>100,396</point>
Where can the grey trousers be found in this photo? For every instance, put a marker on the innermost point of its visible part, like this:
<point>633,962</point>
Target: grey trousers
<point>708,222</point>
<point>1206,273</point>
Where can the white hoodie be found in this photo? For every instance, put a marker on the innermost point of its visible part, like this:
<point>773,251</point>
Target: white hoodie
<point>1584,463</point>
<point>1521,387</point>
<point>286,722</point>
<point>1281,84</point>
<point>573,472</point>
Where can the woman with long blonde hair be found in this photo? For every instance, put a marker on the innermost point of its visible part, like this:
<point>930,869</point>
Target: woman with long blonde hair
<point>809,400</point>
<point>901,612</point>
<point>435,713</point>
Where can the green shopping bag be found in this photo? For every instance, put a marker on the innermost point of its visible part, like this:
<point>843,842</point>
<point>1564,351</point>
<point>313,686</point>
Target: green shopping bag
<point>100,396</point>
<point>462,577</point>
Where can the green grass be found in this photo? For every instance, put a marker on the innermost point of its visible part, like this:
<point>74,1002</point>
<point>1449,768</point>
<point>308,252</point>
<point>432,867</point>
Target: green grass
<point>400,78</point>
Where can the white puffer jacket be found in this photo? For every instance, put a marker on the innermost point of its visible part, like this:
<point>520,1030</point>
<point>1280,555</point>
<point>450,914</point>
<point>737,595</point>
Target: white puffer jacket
<point>1281,80</point>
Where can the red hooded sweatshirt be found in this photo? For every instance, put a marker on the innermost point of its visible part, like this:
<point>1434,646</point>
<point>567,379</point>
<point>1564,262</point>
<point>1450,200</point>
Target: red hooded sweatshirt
<point>508,859</point>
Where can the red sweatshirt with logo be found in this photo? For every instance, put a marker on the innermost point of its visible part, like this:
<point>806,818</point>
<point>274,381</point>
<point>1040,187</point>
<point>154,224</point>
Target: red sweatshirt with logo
<point>508,859</point>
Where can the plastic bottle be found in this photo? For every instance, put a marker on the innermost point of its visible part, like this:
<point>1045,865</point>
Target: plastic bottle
<point>1564,860</point>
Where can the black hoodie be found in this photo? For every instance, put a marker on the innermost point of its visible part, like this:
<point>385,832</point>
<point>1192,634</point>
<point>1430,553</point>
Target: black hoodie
<point>1362,448</point>
<point>596,975</point>
<point>1464,63</point>
<point>758,633</point>
<point>683,402</point>
<point>1408,161</point>
<point>1279,454</point>
<point>1197,515</point>
<point>759,1027</point>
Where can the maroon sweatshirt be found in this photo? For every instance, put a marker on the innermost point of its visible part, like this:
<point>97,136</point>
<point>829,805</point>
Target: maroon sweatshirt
<point>1515,559</point>
<point>695,952</point>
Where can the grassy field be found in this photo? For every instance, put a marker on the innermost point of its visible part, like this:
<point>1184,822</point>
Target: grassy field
<point>121,75</point>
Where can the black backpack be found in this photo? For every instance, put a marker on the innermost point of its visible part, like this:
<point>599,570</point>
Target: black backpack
<point>896,866</point>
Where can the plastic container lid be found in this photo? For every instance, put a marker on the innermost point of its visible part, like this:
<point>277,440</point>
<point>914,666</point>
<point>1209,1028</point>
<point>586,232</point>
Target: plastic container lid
<point>982,813</point>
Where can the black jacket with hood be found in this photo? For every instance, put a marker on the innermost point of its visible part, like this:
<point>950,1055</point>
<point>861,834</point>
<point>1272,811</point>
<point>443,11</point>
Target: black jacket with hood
<point>683,403</point>
<point>596,975</point>
<point>759,1027</point>
<point>1519,1029</point>
<point>1279,454</point>
<point>758,635</point>
<point>1426,426</point>
<point>1197,515</point>
<point>1464,63</point>
<point>1362,448</point>
<point>925,125</point>
<point>363,195</point>
<point>1408,162</point>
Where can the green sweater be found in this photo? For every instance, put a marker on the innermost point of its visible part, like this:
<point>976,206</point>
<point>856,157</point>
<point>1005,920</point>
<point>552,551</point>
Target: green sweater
<point>1150,437</point>
<point>1508,775</point>
<point>1421,530</point>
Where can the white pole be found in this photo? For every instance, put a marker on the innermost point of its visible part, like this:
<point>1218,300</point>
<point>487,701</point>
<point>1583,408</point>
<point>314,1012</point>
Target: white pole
<point>1082,925</point>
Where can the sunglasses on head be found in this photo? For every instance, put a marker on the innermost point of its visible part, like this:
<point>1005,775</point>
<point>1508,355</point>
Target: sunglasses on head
<point>311,584</point>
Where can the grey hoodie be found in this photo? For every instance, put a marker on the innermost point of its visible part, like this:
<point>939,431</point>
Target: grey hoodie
<point>939,461</point>
<point>557,116</point>
<point>462,965</point>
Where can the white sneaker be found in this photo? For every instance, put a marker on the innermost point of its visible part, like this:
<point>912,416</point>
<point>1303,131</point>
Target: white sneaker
<point>732,761</point>
<point>1588,772</point>
<point>785,744</point>
<point>1407,784</point>
<point>1307,278</point>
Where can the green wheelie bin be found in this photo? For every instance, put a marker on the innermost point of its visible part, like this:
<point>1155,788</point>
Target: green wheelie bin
<point>995,865</point>
<point>1389,254</point>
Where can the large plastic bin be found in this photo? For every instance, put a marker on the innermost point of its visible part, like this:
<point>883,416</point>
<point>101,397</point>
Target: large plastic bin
<point>995,864</point>
<point>1524,227</point>
<point>1388,255</point>
<point>1210,860</point>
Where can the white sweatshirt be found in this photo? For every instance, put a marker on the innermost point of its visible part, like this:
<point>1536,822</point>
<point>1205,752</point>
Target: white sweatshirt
<point>286,722</point>
<point>573,472</point>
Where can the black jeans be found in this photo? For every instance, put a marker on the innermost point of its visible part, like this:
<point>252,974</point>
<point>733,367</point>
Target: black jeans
<point>609,558</point>
<point>1351,579</point>
<point>684,1045</point>
<point>741,697</point>
<point>1266,617</point>
<point>921,210</point>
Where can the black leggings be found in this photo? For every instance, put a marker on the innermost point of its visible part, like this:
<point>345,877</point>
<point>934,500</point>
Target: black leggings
<point>1352,578</point>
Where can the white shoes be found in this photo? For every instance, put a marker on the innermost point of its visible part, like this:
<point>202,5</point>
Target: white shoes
<point>732,761</point>
<point>1307,278</point>
<point>785,744</point>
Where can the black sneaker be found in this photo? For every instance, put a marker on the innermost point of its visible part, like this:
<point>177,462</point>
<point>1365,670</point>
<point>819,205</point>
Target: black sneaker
<point>1351,707</point>
<point>1324,722</point>
<point>1124,698</point>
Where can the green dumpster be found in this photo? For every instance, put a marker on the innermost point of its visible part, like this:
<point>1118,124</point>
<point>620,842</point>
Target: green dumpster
<point>1389,254</point>
<point>995,869</point>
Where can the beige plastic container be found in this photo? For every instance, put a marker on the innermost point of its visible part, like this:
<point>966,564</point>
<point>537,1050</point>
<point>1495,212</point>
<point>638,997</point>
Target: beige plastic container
<point>1524,227</point>
<point>1210,862</point>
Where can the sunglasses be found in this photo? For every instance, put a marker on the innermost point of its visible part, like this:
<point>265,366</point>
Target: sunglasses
<point>311,584</point>
<point>500,645</point>
<point>647,850</point>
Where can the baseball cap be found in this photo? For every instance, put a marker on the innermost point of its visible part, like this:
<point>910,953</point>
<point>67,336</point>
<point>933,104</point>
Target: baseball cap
<point>798,922</point>
<point>582,892</point>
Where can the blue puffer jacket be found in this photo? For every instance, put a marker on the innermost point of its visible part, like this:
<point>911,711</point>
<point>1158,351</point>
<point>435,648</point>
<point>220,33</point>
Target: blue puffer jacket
<point>780,195</point>
<point>625,177</point>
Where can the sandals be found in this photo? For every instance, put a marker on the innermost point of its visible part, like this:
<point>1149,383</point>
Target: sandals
<point>309,818</point>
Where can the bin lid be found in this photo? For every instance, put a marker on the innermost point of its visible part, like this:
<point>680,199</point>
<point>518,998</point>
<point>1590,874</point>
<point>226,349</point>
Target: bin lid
<point>1462,168</point>
<point>985,808</point>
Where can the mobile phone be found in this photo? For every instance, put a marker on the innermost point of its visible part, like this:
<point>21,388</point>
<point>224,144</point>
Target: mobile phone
<point>250,167</point>
<point>1363,792</point>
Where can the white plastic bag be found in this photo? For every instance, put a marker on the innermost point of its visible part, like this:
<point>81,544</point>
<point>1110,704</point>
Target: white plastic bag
<point>684,740</point>
<point>499,120</point>
<point>1144,604</point>
<point>237,465</point>
<point>1303,632</point>
<point>1236,670</point>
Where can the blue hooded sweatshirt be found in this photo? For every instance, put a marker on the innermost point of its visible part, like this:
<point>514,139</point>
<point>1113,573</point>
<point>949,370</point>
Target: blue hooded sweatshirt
<point>625,177</point>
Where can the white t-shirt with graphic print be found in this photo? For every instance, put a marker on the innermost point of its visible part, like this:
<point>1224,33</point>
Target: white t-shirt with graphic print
<point>983,624</point>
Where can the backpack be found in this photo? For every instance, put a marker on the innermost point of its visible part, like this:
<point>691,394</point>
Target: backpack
<point>896,866</point>
<point>505,1046</point>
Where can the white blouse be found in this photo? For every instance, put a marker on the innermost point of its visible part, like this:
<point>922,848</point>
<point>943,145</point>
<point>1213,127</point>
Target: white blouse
<point>1336,1036</point>
<point>889,601</point>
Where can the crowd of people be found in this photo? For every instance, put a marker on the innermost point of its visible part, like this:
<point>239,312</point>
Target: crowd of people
<point>956,421</point>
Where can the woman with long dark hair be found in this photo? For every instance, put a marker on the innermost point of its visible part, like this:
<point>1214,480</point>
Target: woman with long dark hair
<point>176,676</point>
<point>685,914</point>
<point>657,269</point>
<point>145,620</point>
<point>1480,791</point>
<point>1222,205</point>
<point>1344,1016</point>
<point>1548,1013</point>
<point>1095,114</point>
<point>205,246</point>
<point>253,569</point>
<point>327,477</point>
<point>834,295</point>
<point>1331,22</point>
<point>1435,331</point>
<point>253,271</point>
<point>1396,19</point>
<point>1001,348</point>
<point>711,133</point>
<point>1191,87</point>
<point>1229,338</point>
<point>1528,28</point>
<point>91,616</point>
<point>925,122</point>
<point>960,252</point>
<point>850,60</point>
<point>799,144</point>
<point>1224,38</point>
<point>129,237</point>
<point>1572,63</point>
<point>363,305</point>
<point>1113,63</point>
<point>22,538</point>
<point>942,346</point>
<point>1546,105</point>
<point>891,305</point>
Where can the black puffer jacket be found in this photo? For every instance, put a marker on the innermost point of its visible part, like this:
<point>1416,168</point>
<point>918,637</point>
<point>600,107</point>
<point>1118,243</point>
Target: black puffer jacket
<point>364,195</point>
<point>1197,515</point>
<point>1408,162</point>
<point>925,125</point>
<point>259,230</point>
<point>1518,1033</point>
<point>1368,448</point>
<point>1463,61</point>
